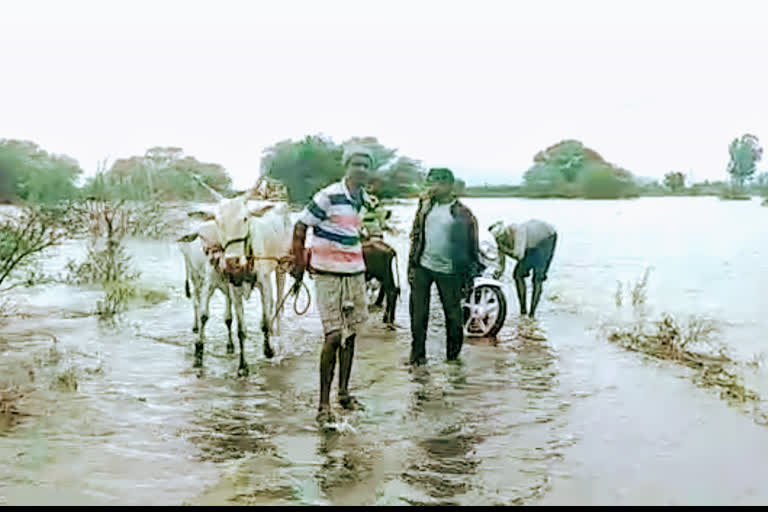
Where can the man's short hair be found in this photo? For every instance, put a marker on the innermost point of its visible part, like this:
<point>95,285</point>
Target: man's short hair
<point>440,175</point>
<point>496,228</point>
<point>356,150</point>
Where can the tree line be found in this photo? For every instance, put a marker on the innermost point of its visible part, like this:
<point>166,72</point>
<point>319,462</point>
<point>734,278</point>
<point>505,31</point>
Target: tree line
<point>566,169</point>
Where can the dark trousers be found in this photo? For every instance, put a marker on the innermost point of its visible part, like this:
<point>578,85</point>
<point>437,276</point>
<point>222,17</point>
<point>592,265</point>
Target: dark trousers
<point>449,288</point>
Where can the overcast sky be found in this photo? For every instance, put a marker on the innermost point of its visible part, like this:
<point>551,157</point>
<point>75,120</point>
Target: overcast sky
<point>477,86</point>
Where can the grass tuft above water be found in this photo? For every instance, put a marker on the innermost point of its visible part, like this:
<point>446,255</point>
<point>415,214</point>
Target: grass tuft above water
<point>690,344</point>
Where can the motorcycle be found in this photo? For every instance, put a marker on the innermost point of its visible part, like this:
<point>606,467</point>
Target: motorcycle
<point>485,306</point>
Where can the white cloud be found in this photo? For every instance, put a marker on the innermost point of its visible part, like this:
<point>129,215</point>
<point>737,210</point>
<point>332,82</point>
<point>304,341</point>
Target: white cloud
<point>478,86</point>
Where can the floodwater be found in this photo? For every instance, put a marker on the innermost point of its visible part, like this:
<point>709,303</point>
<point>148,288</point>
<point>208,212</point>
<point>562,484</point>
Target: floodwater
<point>114,413</point>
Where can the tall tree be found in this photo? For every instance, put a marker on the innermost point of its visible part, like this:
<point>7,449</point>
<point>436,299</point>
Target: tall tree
<point>674,181</point>
<point>569,168</point>
<point>745,152</point>
<point>303,167</point>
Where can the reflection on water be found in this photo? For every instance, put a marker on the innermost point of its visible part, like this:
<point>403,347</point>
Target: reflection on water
<point>346,462</point>
<point>535,368</point>
<point>442,463</point>
<point>222,435</point>
<point>116,413</point>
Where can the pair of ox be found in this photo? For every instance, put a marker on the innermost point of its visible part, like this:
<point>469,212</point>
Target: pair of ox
<point>236,250</point>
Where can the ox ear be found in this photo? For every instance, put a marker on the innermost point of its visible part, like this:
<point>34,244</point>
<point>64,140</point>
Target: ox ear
<point>202,215</point>
<point>188,238</point>
<point>253,192</point>
<point>261,211</point>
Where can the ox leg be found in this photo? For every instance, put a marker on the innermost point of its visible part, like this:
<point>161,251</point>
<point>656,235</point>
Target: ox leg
<point>380,297</point>
<point>195,296</point>
<point>389,314</point>
<point>265,287</point>
<point>242,370</point>
<point>196,307</point>
<point>204,312</point>
<point>389,288</point>
<point>228,320</point>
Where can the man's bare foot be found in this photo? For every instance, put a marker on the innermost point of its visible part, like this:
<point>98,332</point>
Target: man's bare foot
<point>350,403</point>
<point>324,415</point>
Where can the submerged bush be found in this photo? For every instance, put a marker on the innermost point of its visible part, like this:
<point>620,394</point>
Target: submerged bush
<point>116,295</point>
<point>10,398</point>
<point>137,219</point>
<point>8,309</point>
<point>638,291</point>
<point>690,344</point>
<point>25,234</point>
<point>107,263</point>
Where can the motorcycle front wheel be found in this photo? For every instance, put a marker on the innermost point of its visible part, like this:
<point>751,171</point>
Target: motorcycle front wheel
<point>485,309</point>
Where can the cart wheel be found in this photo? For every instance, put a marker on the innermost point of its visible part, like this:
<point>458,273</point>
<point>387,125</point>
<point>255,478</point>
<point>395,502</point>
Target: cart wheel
<point>485,310</point>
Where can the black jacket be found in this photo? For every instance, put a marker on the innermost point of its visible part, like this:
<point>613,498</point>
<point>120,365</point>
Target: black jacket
<point>465,249</point>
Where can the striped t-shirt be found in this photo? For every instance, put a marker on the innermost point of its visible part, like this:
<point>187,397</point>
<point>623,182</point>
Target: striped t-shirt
<point>336,219</point>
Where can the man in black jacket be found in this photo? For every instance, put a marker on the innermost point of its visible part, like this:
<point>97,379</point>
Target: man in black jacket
<point>444,250</point>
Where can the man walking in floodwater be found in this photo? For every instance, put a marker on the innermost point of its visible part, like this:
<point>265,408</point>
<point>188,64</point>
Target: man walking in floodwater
<point>338,269</point>
<point>532,244</point>
<point>445,251</point>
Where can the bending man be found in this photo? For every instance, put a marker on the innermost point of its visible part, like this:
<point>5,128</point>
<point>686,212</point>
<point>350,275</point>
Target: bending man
<point>532,244</point>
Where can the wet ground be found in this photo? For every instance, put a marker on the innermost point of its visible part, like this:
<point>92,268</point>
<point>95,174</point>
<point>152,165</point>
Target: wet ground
<point>114,413</point>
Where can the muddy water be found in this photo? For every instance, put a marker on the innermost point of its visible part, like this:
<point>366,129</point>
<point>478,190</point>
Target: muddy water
<point>114,412</point>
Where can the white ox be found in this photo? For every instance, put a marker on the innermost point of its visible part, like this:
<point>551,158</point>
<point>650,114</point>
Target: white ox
<point>246,251</point>
<point>201,279</point>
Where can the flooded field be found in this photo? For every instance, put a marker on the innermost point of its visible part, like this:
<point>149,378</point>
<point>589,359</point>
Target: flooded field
<point>113,412</point>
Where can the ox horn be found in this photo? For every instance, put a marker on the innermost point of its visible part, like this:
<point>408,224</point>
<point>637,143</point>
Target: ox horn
<point>261,211</point>
<point>215,194</point>
<point>188,238</point>
<point>201,215</point>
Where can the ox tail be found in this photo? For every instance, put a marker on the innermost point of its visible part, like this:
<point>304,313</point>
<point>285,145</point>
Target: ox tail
<point>397,271</point>
<point>187,276</point>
